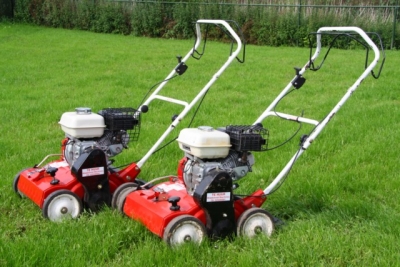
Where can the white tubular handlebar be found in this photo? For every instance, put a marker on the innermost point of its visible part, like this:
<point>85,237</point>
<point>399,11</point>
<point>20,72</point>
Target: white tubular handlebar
<point>355,85</point>
<point>189,106</point>
<point>196,45</point>
<point>325,121</point>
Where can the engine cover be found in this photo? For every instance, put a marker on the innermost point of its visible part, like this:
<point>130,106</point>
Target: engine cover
<point>214,194</point>
<point>204,142</point>
<point>82,123</point>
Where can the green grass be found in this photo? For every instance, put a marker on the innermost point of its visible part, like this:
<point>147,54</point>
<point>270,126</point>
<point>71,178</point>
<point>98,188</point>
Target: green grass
<point>339,204</point>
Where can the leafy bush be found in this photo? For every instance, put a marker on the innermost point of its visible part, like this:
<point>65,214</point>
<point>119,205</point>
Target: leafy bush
<point>147,19</point>
<point>273,25</point>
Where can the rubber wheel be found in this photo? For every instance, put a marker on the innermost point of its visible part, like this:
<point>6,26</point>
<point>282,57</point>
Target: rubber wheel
<point>120,201</point>
<point>255,221</point>
<point>62,204</point>
<point>118,192</point>
<point>15,183</point>
<point>184,229</point>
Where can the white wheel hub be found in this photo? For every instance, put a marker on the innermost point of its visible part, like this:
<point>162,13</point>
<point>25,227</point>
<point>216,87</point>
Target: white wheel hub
<point>255,221</point>
<point>186,232</point>
<point>63,206</point>
<point>257,224</point>
<point>184,229</point>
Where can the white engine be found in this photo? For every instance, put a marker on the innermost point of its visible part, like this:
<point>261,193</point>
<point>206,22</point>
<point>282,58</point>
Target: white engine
<point>110,130</point>
<point>207,149</point>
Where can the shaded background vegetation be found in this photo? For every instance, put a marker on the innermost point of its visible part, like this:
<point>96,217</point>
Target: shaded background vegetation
<point>263,22</point>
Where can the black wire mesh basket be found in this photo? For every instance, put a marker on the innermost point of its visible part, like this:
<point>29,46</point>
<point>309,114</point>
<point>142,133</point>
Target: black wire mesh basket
<point>124,120</point>
<point>248,137</point>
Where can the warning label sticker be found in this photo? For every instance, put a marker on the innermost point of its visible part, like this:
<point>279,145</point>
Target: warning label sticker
<point>169,187</point>
<point>57,164</point>
<point>92,171</point>
<point>218,196</point>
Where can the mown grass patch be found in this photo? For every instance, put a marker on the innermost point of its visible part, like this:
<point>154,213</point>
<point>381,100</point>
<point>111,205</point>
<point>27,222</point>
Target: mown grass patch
<point>339,204</point>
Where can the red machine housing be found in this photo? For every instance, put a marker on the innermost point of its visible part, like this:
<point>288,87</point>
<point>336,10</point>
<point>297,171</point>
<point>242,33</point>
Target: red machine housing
<point>36,184</point>
<point>152,206</point>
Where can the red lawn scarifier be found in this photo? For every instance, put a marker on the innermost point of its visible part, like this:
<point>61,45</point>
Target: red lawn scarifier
<point>200,201</point>
<point>82,176</point>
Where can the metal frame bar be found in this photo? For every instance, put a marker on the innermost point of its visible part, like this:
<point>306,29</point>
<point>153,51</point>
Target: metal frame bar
<point>321,124</point>
<point>189,106</point>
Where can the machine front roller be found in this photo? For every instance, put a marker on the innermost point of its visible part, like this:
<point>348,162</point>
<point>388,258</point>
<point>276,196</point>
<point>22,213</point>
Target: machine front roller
<point>184,229</point>
<point>119,191</point>
<point>119,197</point>
<point>62,204</point>
<point>255,221</point>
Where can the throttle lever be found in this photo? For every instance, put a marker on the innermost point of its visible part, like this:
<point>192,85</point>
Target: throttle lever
<point>299,80</point>
<point>182,67</point>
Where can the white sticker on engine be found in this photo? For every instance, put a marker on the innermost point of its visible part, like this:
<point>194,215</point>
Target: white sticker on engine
<point>92,171</point>
<point>218,196</point>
